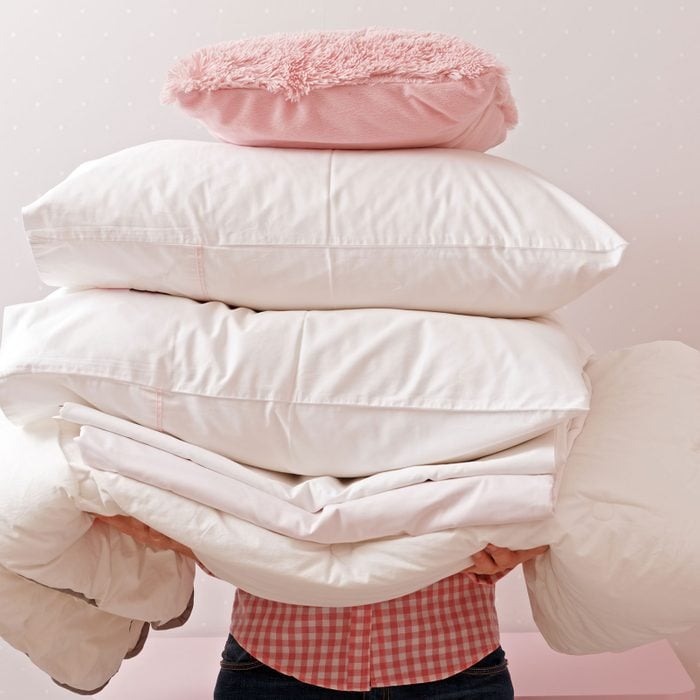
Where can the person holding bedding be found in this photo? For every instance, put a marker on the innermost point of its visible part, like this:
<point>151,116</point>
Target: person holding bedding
<point>439,642</point>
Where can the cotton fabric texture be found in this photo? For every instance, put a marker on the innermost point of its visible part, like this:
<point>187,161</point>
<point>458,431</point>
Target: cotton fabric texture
<point>78,645</point>
<point>344,393</point>
<point>495,489</point>
<point>174,460</point>
<point>291,570</point>
<point>373,88</point>
<point>276,229</point>
<point>629,536</point>
<point>45,537</point>
<point>76,596</point>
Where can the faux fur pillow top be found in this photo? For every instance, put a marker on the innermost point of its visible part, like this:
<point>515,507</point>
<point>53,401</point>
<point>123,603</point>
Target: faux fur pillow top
<point>374,88</point>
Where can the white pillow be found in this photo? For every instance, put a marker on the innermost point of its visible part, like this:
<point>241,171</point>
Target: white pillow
<point>270,228</point>
<point>341,393</point>
<point>624,569</point>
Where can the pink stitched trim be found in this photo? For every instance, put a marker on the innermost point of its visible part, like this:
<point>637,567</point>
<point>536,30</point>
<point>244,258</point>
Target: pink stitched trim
<point>199,262</point>
<point>159,410</point>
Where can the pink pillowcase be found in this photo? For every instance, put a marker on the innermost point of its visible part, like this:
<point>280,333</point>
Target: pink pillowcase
<point>374,88</point>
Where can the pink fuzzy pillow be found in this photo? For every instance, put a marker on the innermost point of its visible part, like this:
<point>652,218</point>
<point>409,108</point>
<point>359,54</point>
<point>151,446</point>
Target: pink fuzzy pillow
<point>375,88</point>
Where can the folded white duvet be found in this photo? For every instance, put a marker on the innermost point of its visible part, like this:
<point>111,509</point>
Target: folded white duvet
<point>543,455</point>
<point>283,568</point>
<point>409,510</point>
<point>344,393</point>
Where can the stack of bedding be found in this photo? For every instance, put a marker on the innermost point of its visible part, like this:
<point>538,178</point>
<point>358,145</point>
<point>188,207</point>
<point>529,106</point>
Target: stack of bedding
<point>329,372</point>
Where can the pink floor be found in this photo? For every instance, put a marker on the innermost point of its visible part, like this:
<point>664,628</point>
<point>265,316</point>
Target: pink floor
<point>185,668</point>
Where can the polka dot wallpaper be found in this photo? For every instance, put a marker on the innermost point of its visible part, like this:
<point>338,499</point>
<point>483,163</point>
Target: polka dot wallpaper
<point>608,101</point>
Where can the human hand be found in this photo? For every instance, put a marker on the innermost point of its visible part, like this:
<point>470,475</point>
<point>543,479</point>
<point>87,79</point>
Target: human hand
<point>146,535</point>
<point>499,561</point>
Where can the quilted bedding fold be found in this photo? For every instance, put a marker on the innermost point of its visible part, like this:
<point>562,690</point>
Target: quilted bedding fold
<point>542,455</point>
<point>493,490</point>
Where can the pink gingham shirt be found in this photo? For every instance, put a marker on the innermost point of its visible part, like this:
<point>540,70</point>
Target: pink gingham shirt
<point>423,636</point>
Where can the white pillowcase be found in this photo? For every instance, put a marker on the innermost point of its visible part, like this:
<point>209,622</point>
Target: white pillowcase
<point>342,393</point>
<point>624,568</point>
<point>269,228</point>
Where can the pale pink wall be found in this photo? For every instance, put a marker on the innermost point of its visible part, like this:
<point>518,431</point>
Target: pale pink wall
<point>608,98</point>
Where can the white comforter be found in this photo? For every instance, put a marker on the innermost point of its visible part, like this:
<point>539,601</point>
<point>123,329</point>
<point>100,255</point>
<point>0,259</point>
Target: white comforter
<point>76,643</point>
<point>76,595</point>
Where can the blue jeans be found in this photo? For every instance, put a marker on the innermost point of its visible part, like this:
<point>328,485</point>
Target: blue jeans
<point>243,676</point>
